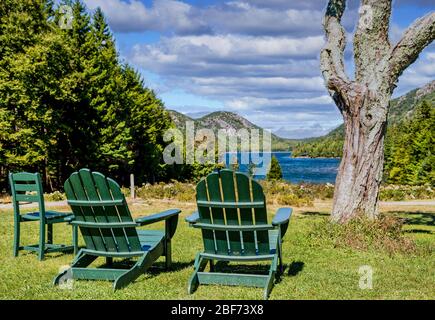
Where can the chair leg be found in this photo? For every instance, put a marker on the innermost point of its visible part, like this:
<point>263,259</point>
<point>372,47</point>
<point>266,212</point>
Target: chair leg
<point>200,265</point>
<point>109,261</point>
<point>50,233</point>
<point>211,266</point>
<point>41,241</point>
<point>75,239</point>
<point>271,278</point>
<point>280,260</point>
<point>168,254</point>
<point>16,238</point>
<point>80,261</point>
<point>138,269</point>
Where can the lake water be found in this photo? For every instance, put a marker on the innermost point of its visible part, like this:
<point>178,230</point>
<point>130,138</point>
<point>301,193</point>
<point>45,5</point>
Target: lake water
<point>295,170</point>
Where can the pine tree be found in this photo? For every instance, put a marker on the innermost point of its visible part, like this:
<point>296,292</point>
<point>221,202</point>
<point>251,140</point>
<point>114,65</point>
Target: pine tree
<point>410,156</point>
<point>23,26</point>
<point>275,172</point>
<point>66,101</point>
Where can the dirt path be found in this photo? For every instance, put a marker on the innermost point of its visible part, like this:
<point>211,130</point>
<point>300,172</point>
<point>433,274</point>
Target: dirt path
<point>409,203</point>
<point>35,205</point>
<point>53,204</point>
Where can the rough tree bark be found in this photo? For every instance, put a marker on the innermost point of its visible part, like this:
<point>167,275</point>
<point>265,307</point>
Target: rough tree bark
<point>364,101</point>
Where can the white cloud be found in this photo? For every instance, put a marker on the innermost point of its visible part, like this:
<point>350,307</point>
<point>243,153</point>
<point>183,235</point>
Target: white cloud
<point>133,15</point>
<point>249,103</point>
<point>229,48</point>
<point>256,57</point>
<point>419,73</point>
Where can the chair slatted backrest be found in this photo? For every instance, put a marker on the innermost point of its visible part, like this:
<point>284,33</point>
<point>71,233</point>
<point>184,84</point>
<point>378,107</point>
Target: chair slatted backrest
<point>27,187</point>
<point>97,199</point>
<point>230,199</point>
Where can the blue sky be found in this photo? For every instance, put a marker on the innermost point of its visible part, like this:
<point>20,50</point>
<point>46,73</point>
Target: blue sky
<point>258,58</point>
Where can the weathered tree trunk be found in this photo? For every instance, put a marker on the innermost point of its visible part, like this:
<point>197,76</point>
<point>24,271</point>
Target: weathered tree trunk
<point>360,173</point>
<point>364,101</point>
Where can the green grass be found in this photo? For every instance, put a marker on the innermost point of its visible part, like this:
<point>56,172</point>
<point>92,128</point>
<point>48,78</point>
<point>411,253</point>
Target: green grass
<point>314,270</point>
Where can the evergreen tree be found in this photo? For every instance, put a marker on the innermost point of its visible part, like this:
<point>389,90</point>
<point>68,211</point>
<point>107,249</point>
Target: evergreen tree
<point>275,172</point>
<point>23,26</point>
<point>66,101</point>
<point>410,156</point>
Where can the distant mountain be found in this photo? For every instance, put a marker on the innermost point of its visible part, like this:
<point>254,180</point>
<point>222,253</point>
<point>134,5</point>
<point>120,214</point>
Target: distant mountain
<point>229,121</point>
<point>401,108</point>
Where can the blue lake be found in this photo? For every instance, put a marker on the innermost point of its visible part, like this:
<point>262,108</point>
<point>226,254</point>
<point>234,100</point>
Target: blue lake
<point>295,170</point>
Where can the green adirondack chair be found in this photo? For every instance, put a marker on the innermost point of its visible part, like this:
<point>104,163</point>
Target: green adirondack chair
<point>233,219</point>
<point>27,187</point>
<point>101,212</point>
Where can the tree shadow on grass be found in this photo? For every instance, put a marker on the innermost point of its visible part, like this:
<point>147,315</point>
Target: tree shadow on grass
<point>419,231</point>
<point>416,218</point>
<point>314,213</point>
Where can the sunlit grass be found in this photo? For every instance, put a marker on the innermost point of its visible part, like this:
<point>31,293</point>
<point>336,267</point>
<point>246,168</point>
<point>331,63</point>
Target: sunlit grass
<point>314,270</point>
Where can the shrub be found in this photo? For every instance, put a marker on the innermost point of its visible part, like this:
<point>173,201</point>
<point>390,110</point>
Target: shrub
<point>174,190</point>
<point>361,233</point>
<point>5,198</point>
<point>399,193</point>
<point>55,196</point>
<point>294,200</point>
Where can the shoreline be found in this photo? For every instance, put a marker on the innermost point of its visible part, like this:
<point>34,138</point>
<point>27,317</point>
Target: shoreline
<point>302,157</point>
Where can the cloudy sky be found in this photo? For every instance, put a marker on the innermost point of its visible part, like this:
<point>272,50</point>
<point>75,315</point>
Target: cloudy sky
<point>258,58</point>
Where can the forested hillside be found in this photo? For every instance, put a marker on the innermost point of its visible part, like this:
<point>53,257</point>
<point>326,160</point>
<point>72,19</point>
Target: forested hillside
<point>410,140</point>
<point>67,101</point>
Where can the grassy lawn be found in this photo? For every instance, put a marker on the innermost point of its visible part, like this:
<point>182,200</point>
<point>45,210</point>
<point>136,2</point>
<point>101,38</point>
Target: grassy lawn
<point>313,270</point>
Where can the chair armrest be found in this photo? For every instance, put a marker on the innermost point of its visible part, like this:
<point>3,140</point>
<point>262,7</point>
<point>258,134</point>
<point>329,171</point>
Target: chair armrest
<point>193,218</point>
<point>282,216</point>
<point>70,219</point>
<point>165,215</point>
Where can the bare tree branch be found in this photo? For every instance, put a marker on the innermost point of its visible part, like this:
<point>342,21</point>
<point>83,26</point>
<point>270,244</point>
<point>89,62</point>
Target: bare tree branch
<point>332,55</point>
<point>418,36</point>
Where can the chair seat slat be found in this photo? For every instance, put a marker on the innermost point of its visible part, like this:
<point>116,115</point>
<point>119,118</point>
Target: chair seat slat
<point>104,225</point>
<point>219,204</point>
<point>223,227</point>
<point>96,203</point>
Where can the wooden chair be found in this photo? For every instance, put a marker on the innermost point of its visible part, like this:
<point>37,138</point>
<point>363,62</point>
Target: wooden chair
<point>27,187</point>
<point>101,212</point>
<point>233,219</point>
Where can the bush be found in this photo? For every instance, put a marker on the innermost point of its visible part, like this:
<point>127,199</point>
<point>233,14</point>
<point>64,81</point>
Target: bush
<point>294,200</point>
<point>55,196</point>
<point>400,193</point>
<point>174,190</point>
<point>5,198</point>
<point>284,193</point>
<point>361,233</point>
